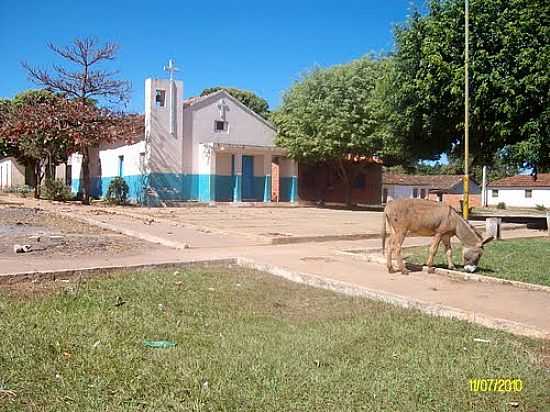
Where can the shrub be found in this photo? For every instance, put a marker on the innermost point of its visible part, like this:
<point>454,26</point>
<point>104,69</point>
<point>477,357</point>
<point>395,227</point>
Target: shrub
<point>542,208</point>
<point>22,191</point>
<point>118,191</point>
<point>55,189</point>
<point>501,205</point>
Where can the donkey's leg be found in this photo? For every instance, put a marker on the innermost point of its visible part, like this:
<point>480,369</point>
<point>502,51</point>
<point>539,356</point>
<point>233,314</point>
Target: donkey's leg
<point>389,252</point>
<point>447,243</point>
<point>433,250</point>
<point>399,239</point>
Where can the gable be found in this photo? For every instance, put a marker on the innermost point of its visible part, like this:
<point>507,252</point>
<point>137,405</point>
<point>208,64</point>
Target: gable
<point>244,127</point>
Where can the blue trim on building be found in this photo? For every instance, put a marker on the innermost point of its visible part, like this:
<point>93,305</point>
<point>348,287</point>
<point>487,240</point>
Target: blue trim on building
<point>288,189</point>
<point>237,189</point>
<point>204,188</point>
<point>267,189</point>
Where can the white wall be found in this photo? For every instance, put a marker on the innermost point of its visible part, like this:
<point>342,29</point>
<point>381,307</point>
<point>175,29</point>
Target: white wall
<point>243,126</point>
<point>12,174</point>
<point>516,197</point>
<point>110,159</point>
<point>223,164</point>
<point>403,192</point>
<point>164,151</point>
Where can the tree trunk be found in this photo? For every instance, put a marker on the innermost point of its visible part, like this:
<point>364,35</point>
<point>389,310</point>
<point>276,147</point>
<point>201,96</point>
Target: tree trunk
<point>347,180</point>
<point>86,175</point>
<point>349,188</point>
<point>37,180</point>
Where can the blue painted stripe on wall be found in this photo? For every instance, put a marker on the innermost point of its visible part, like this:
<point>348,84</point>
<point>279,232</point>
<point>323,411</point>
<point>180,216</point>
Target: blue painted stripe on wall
<point>288,189</point>
<point>175,186</point>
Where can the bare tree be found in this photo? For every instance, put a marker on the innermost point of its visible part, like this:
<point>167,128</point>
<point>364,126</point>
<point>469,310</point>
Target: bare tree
<point>85,83</point>
<point>88,81</point>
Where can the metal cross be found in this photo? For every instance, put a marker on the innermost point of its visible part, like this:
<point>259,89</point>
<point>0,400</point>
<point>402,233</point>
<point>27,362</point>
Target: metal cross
<point>222,107</point>
<point>171,68</point>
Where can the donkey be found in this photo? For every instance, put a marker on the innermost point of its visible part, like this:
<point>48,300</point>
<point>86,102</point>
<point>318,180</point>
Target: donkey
<point>429,218</point>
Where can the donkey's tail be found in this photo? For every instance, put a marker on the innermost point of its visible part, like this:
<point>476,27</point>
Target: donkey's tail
<point>384,217</point>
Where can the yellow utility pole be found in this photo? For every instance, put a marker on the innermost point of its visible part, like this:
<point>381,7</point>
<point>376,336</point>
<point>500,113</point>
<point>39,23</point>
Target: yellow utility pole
<point>466,201</point>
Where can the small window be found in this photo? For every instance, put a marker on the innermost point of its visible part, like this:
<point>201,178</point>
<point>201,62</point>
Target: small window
<point>160,98</point>
<point>121,166</point>
<point>423,193</point>
<point>494,193</point>
<point>415,192</point>
<point>142,162</point>
<point>220,126</point>
<point>528,193</point>
<point>359,182</point>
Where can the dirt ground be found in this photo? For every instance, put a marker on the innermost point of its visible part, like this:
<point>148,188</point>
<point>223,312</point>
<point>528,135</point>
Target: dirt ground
<point>51,235</point>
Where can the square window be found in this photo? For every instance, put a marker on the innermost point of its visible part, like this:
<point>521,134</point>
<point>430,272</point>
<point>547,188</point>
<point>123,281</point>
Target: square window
<point>528,193</point>
<point>220,126</point>
<point>494,193</point>
<point>160,98</point>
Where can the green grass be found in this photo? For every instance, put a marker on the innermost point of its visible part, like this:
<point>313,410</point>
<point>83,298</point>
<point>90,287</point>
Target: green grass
<point>248,341</point>
<point>526,260</point>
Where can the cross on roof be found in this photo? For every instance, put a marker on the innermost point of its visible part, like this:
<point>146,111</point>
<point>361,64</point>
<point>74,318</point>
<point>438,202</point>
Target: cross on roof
<point>222,107</point>
<point>171,68</point>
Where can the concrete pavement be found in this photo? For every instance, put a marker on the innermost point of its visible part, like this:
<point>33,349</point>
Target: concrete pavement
<point>521,311</point>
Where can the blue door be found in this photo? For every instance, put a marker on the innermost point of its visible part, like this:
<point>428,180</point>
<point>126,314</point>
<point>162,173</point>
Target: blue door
<point>248,178</point>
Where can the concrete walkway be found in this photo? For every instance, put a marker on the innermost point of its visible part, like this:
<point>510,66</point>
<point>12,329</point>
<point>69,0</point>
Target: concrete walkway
<point>520,311</point>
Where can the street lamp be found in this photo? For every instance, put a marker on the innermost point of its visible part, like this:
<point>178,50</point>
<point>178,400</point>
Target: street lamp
<point>466,201</point>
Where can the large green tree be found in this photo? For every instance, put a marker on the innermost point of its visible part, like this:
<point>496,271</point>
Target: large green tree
<point>333,115</point>
<point>509,78</point>
<point>251,100</point>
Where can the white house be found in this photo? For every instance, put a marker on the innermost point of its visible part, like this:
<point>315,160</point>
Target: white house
<point>207,148</point>
<point>520,191</point>
<point>444,188</point>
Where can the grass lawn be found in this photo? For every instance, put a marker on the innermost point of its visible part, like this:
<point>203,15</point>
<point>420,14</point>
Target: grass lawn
<point>246,341</point>
<point>527,260</point>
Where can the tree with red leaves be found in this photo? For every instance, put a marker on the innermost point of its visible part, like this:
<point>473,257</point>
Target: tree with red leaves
<point>42,129</point>
<point>35,128</point>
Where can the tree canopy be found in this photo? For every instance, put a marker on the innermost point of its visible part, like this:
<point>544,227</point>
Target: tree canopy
<point>251,100</point>
<point>510,84</point>
<point>334,114</point>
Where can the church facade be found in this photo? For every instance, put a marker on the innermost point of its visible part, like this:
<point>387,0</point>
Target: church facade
<point>209,149</point>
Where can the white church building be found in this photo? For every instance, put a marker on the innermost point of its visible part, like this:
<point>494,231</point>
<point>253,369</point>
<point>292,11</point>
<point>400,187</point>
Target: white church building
<point>210,148</point>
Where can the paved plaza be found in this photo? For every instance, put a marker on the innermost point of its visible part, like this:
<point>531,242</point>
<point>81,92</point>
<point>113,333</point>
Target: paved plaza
<point>205,233</point>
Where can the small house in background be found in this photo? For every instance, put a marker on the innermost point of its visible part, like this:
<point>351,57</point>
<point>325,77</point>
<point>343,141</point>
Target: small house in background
<point>321,183</point>
<point>520,191</point>
<point>443,188</point>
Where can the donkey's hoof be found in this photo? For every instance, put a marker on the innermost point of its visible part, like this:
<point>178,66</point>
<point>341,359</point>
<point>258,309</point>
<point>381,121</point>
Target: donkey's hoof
<point>405,271</point>
<point>431,269</point>
<point>391,270</point>
<point>452,267</point>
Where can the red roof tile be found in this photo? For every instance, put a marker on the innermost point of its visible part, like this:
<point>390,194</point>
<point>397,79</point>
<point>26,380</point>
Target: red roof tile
<point>442,182</point>
<point>523,181</point>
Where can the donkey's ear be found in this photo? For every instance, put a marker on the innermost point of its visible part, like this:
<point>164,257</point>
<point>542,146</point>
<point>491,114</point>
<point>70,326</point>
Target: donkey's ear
<point>487,240</point>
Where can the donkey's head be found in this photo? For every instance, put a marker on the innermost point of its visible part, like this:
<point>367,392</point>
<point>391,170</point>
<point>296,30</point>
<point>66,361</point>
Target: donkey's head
<point>472,255</point>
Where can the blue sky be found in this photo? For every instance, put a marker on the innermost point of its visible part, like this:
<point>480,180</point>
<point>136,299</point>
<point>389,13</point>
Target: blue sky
<point>261,46</point>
